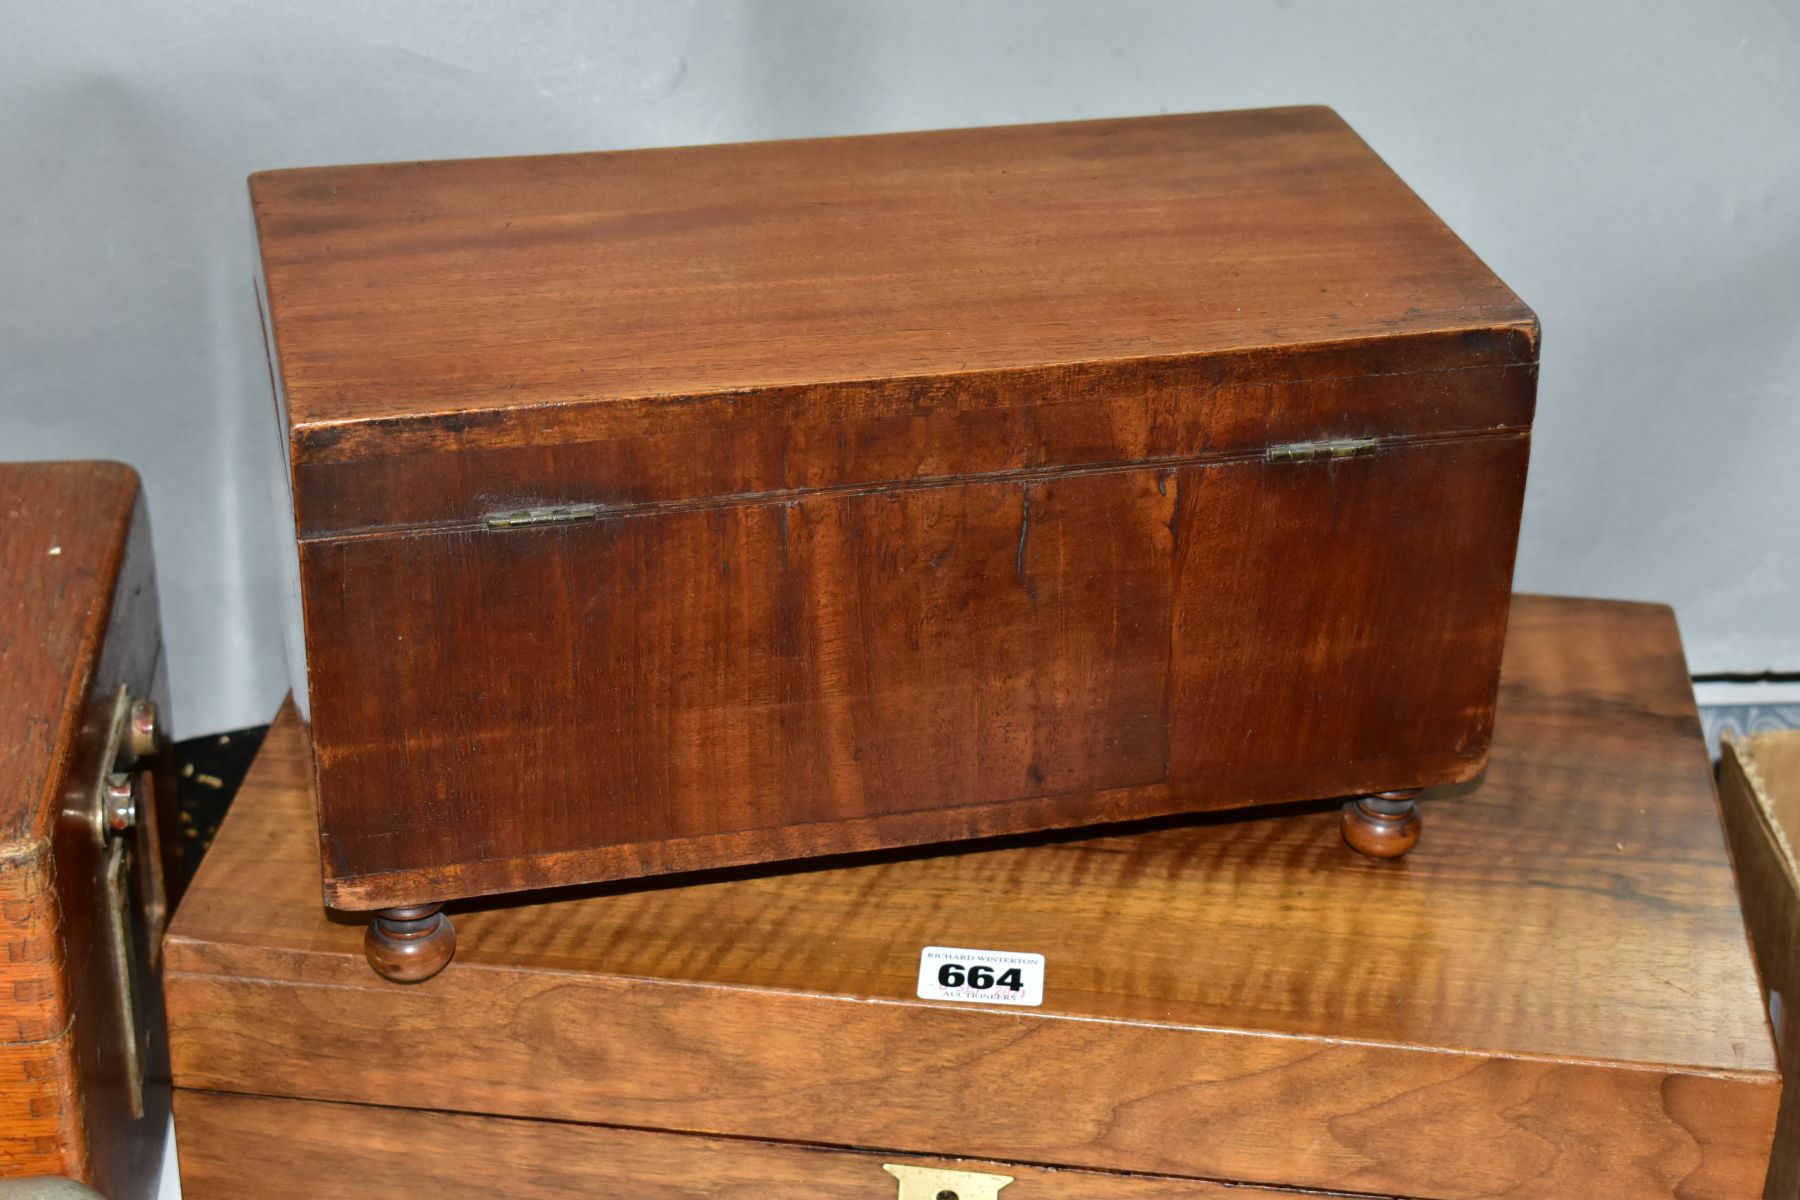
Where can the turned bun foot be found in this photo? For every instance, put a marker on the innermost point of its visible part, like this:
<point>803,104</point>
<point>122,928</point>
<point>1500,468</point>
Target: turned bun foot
<point>1384,825</point>
<point>409,944</point>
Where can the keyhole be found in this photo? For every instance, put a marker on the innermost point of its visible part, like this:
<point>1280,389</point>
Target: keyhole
<point>947,1194</point>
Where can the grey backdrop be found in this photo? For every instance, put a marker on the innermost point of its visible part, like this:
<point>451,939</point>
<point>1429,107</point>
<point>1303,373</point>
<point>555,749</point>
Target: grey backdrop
<point>1631,168</point>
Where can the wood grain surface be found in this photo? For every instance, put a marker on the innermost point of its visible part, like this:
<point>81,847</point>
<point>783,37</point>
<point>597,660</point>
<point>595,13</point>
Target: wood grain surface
<point>1759,793</point>
<point>929,488</point>
<point>500,286</point>
<point>1558,986</point>
<point>649,694</point>
<point>261,1148</point>
<point>78,618</point>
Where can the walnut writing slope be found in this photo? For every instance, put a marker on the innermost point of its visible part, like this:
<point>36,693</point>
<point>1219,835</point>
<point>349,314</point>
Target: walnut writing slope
<point>1556,1002</point>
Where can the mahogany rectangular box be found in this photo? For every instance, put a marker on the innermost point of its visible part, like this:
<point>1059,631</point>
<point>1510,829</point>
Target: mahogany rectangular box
<point>672,509</point>
<point>84,1089</point>
<point>1555,1000</point>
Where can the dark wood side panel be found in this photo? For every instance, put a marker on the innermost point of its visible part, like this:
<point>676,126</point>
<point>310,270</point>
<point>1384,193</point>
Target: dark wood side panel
<point>1331,613</point>
<point>964,646</point>
<point>258,1148</point>
<point>739,669</point>
<point>735,671</point>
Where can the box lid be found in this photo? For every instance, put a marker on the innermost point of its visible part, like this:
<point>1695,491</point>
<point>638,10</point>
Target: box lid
<point>724,296</point>
<point>1556,982</point>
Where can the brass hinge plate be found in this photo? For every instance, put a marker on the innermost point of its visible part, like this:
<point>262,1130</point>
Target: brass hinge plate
<point>1323,451</point>
<point>935,1183</point>
<point>554,515</point>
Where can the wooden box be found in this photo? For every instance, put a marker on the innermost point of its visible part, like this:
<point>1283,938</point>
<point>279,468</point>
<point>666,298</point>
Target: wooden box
<point>1759,789</point>
<point>683,508</point>
<point>84,1089</point>
<point>1557,1001</point>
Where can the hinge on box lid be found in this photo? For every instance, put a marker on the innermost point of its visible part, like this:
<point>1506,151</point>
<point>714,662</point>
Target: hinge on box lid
<point>1318,451</point>
<point>935,1183</point>
<point>553,515</point>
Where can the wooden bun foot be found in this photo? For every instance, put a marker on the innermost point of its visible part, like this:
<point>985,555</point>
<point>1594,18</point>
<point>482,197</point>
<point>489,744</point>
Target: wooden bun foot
<point>409,944</point>
<point>1384,825</point>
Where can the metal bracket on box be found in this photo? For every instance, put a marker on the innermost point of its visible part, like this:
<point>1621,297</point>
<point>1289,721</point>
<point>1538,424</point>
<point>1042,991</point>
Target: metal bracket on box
<point>121,814</point>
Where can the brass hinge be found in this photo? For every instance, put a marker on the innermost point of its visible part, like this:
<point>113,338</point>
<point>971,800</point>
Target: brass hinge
<point>935,1183</point>
<point>1317,451</point>
<point>552,515</point>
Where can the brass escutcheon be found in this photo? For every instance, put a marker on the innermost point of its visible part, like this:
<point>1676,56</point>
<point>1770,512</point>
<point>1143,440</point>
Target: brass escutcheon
<point>935,1183</point>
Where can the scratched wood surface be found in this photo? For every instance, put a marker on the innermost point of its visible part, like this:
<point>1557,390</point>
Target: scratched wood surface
<point>77,619</point>
<point>1558,985</point>
<point>650,694</point>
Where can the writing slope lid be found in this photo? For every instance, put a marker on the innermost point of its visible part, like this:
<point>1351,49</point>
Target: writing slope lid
<point>63,535</point>
<point>718,305</point>
<point>1556,984</point>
